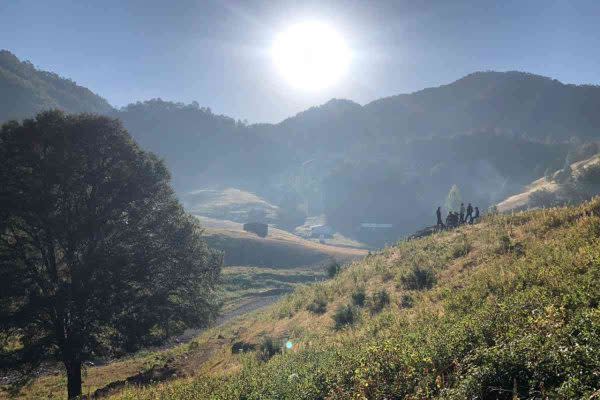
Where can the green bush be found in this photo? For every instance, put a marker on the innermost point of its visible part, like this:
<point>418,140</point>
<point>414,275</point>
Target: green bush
<point>358,297</point>
<point>267,349</point>
<point>506,245</point>
<point>318,306</point>
<point>379,301</point>
<point>333,269</point>
<point>343,316</point>
<point>406,301</point>
<point>461,249</point>
<point>418,278</point>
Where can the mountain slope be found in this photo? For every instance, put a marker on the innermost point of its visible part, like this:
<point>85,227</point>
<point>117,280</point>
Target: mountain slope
<point>580,182</point>
<point>507,308</point>
<point>534,106</point>
<point>25,91</point>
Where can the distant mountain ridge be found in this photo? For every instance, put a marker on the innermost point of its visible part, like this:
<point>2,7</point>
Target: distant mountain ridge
<point>26,90</point>
<point>536,106</point>
<point>391,160</point>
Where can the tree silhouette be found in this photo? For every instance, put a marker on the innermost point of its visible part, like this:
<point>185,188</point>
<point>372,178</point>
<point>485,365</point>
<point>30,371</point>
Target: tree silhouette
<point>97,257</point>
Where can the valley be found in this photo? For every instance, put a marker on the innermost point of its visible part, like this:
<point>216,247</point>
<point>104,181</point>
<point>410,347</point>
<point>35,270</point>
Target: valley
<point>177,253</point>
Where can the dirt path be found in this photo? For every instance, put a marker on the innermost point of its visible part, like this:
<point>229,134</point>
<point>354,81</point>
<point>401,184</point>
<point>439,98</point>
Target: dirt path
<point>255,303</point>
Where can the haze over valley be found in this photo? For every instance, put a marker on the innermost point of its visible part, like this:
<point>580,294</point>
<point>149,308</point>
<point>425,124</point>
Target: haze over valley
<point>299,200</point>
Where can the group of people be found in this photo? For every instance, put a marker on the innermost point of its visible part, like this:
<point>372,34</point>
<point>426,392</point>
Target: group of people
<point>454,219</point>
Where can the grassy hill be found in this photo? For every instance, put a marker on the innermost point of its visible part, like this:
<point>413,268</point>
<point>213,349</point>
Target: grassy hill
<point>582,182</point>
<point>280,248</point>
<point>508,308</point>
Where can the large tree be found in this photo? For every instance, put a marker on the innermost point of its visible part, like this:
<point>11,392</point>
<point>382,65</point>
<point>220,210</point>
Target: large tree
<point>97,257</point>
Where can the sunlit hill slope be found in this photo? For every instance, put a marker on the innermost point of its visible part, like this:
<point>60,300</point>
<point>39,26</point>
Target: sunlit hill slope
<point>507,308</point>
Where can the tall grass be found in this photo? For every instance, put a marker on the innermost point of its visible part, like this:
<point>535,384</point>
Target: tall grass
<point>498,321</point>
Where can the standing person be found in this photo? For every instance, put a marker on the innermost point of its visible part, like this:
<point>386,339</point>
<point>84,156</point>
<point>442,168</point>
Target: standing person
<point>469,215</point>
<point>476,216</point>
<point>438,214</point>
<point>462,213</point>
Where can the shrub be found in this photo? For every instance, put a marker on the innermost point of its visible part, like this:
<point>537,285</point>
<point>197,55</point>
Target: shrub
<point>241,347</point>
<point>543,198</point>
<point>379,300</point>
<point>506,245</point>
<point>418,278</point>
<point>318,306</point>
<point>343,316</point>
<point>267,349</point>
<point>461,249</point>
<point>406,301</point>
<point>358,297</point>
<point>333,269</point>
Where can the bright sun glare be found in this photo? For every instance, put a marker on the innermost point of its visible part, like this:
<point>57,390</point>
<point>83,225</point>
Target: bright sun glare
<point>311,55</point>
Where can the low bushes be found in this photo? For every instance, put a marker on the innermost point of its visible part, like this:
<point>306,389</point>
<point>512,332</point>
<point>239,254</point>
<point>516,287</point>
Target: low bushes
<point>333,268</point>
<point>318,306</point>
<point>343,316</point>
<point>358,297</point>
<point>418,278</point>
<point>379,301</point>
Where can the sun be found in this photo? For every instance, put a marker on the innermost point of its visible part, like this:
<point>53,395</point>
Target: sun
<point>311,55</point>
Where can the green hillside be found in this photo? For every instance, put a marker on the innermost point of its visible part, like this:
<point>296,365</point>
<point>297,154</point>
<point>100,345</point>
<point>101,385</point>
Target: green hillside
<point>507,308</point>
<point>26,90</point>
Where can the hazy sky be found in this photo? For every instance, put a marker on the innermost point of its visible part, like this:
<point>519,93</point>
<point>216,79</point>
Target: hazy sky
<point>217,52</point>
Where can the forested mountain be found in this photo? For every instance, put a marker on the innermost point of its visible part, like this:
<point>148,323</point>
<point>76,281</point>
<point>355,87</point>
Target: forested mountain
<point>25,90</point>
<point>389,161</point>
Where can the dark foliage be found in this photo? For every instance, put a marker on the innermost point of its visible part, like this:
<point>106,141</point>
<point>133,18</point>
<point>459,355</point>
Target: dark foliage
<point>358,297</point>
<point>333,268</point>
<point>344,316</point>
<point>97,257</point>
<point>267,349</point>
<point>406,301</point>
<point>379,301</point>
<point>418,278</point>
<point>318,306</point>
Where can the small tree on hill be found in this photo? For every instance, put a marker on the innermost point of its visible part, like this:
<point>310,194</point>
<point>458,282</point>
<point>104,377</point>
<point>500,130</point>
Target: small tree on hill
<point>453,199</point>
<point>97,257</point>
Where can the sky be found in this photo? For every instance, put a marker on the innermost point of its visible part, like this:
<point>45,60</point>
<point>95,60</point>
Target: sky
<point>218,52</point>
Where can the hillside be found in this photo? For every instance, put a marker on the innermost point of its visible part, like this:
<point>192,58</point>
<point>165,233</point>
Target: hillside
<point>279,249</point>
<point>26,90</point>
<point>507,308</point>
<point>582,182</point>
<point>504,309</point>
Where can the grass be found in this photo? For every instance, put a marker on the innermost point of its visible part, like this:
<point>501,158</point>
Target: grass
<point>241,284</point>
<point>280,248</point>
<point>513,312</point>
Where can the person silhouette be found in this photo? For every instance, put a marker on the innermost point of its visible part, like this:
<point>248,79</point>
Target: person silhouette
<point>462,213</point>
<point>469,215</point>
<point>438,214</point>
<point>476,216</point>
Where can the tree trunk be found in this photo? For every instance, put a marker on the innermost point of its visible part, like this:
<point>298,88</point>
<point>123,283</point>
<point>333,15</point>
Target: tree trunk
<point>73,379</point>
